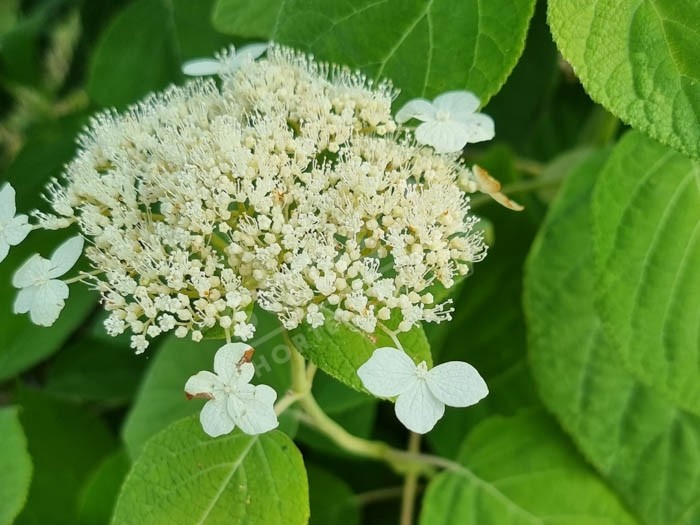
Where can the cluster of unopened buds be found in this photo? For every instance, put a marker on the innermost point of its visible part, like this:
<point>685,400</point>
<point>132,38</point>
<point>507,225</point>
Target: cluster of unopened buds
<point>288,185</point>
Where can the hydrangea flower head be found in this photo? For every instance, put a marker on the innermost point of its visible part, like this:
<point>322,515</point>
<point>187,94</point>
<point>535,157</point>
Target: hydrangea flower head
<point>288,186</point>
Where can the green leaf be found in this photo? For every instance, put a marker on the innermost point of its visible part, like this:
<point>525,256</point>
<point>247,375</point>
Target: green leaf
<point>136,54</point>
<point>644,444</point>
<point>96,370</point>
<point>185,477</point>
<point>638,59</point>
<point>488,326</point>
<point>143,48</point>
<point>15,466</point>
<point>522,471</point>
<point>331,499</point>
<point>65,443</point>
<point>425,46</point>
<point>247,19</point>
<point>161,399</point>
<point>195,35</point>
<point>339,350</point>
<point>647,230</point>
<point>99,495</point>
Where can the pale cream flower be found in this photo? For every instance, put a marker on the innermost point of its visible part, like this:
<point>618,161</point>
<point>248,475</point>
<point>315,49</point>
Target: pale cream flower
<point>289,187</point>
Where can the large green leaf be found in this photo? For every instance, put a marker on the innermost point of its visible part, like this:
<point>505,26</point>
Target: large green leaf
<point>521,471</point>
<point>331,499</point>
<point>136,54</point>
<point>15,466</point>
<point>425,46</point>
<point>66,443</point>
<point>639,59</point>
<point>99,494</point>
<point>161,399</point>
<point>96,369</point>
<point>185,477</point>
<point>143,47</point>
<point>647,229</point>
<point>645,445</point>
<point>488,327</point>
<point>247,19</point>
<point>339,350</point>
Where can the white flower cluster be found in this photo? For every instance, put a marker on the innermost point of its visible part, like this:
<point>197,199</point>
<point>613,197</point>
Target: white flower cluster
<point>290,185</point>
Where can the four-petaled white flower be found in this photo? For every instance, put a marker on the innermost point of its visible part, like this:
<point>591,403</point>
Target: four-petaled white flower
<point>200,67</point>
<point>233,402</point>
<point>41,293</point>
<point>421,393</point>
<point>13,228</point>
<point>449,122</point>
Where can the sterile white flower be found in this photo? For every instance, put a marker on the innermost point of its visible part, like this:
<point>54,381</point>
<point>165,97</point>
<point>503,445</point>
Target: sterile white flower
<point>449,122</point>
<point>41,293</point>
<point>13,228</point>
<point>228,62</point>
<point>421,394</point>
<point>233,402</point>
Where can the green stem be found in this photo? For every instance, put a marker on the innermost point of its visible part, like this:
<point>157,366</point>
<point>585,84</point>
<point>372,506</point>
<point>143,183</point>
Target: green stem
<point>521,186</point>
<point>529,166</point>
<point>410,486</point>
<point>400,460</point>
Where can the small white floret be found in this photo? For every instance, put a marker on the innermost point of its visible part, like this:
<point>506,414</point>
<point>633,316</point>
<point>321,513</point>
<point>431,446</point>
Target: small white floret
<point>200,67</point>
<point>233,401</point>
<point>13,228</point>
<point>41,293</point>
<point>449,122</point>
<point>421,394</point>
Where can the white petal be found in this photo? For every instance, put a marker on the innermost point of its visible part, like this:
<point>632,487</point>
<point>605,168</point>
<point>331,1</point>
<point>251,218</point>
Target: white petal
<point>203,382</point>
<point>215,419</point>
<point>65,256</point>
<point>35,268</point>
<point>200,67</point>
<point>243,374</point>
<point>417,108</point>
<point>17,230</point>
<point>388,373</point>
<point>4,249</point>
<point>48,301</point>
<point>250,52</point>
<point>24,300</point>
<point>227,358</point>
<point>418,409</point>
<point>253,409</point>
<point>457,384</point>
<point>7,202</point>
<point>444,136</point>
<point>459,104</point>
<point>479,127</point>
